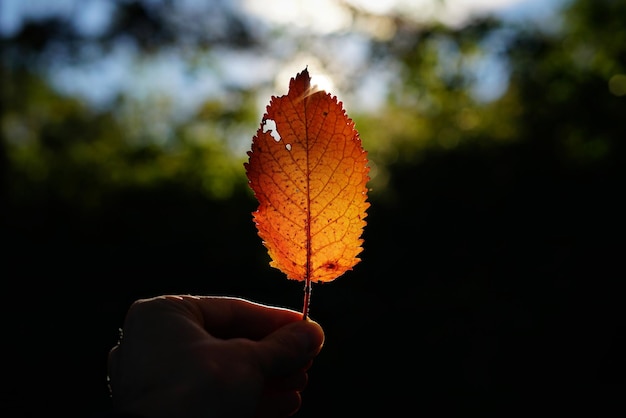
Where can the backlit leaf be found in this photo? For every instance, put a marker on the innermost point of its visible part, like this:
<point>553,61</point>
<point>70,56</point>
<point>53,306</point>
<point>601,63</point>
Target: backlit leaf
<point>309,172</point>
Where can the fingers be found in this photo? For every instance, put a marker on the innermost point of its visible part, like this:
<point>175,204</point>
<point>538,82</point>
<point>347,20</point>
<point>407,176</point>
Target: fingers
<point>278,404</point>
<point>287,342</point>
<point>247,348</point>
<point>227,317</point>
<point>296,382</point>
<point>290,348</point>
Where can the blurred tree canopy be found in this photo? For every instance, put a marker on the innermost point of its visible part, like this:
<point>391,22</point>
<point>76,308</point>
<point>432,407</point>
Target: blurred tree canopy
<point>496,222</point>
<point>56,141</point>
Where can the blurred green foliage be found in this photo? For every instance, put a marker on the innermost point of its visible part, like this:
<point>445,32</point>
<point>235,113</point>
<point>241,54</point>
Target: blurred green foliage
<point>59,144</point>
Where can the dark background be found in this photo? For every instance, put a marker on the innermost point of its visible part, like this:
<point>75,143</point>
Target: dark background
<point>492,276</point>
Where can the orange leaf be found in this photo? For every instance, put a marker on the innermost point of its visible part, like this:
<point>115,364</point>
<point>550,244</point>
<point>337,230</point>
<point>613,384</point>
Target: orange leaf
<point>309,171</point>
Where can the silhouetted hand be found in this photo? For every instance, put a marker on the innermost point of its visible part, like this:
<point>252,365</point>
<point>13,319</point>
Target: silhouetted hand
<point>189,356</point>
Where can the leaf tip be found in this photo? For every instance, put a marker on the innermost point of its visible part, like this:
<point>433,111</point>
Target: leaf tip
<point>301,86</point>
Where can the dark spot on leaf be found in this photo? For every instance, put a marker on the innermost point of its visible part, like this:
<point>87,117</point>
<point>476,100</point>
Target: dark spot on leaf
<point>331,265</point>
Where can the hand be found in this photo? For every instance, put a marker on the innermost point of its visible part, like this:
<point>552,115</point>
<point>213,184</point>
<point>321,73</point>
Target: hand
<point>188,356</point>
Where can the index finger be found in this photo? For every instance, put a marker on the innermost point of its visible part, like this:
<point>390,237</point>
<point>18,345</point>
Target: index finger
<point>230,317</point>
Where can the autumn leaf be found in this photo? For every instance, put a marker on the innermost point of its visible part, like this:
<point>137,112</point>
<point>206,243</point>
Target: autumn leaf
<point>309,172</point>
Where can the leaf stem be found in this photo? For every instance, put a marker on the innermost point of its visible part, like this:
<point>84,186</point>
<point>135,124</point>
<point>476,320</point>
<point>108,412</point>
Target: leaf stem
<point>307,299</point>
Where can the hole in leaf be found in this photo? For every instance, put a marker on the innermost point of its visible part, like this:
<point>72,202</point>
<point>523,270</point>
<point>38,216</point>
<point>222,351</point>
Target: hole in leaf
<point>269,125</point>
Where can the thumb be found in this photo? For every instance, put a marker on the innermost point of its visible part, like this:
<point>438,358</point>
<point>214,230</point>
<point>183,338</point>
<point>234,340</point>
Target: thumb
<point>291,347</point>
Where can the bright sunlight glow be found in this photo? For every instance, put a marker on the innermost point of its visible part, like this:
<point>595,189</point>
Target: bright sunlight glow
<point>328,16</point>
